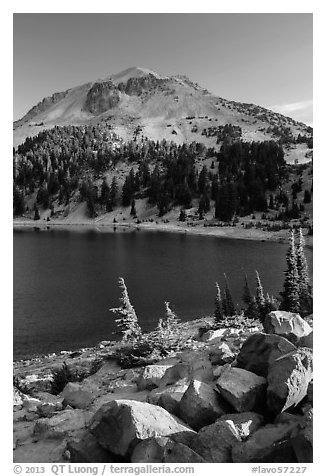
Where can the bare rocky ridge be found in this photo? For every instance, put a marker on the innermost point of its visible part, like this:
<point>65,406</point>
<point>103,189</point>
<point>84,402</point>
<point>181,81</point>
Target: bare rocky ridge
<point>101,97</point>
<point>217,415</point>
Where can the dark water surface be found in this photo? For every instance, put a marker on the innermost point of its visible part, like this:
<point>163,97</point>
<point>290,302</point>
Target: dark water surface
<point>66,281</point>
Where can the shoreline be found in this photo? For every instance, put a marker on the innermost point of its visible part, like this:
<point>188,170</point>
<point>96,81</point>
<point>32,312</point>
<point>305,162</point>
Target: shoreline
<point>233,232</point>
<point>45,361</point>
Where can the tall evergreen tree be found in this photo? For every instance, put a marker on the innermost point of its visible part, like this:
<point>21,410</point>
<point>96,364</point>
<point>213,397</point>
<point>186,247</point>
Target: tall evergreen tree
<point>36,213</point>
<point>302,265</point>
<point>247,296</point>
<point>127,192</point>
<point>271,304</point>
<point>251,310</point>
<point>218,312</point>
<point>203,183</point>
<point>114,192</point>
<point>229,308</point>
<point>19,201</point>
<point>260,298</point>
<point>183,215</point>
<point>105,192</point>
<point>127,320</point>
<point>305,296</point>
<point>226,203</point>
<point>290,292</point>
<point>133,208</point>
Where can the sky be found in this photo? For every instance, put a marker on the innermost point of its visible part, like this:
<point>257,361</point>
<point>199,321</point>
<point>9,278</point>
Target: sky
<point>265,59</point>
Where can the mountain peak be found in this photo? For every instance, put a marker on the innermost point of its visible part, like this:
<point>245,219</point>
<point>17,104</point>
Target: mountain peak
<point>133,72</point>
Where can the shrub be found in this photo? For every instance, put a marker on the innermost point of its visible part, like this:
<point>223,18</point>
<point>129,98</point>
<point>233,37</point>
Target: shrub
<point>62,376</point>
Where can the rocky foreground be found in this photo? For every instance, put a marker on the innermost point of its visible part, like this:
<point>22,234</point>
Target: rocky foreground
<point>235,394</point>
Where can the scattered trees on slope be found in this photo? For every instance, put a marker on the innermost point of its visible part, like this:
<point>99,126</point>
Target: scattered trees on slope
<point>58,163</point>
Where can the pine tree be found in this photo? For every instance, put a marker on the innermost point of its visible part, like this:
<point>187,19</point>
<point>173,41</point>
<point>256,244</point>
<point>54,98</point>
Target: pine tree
<point>247,296</point>
<point>229,308</point>
<point>127,192</point>
<point>133,208</point>
<point>218,312</point>
<point>260,298</point>
<point>250,301</point>
<point>167,325</point>
<point>271,304</point>
<point>105,192</point>
<point>290,292</point>
<point>183,215</point>
<point>114,192</point>
<point>19,201</point>
<point>302,265</point>
<point>303,275</point>
<point>203,180</point>
<point>127,320</point>
<point>36,213</point>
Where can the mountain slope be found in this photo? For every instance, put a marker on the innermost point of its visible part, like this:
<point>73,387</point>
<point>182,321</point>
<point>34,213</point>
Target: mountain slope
<point>159,107</point>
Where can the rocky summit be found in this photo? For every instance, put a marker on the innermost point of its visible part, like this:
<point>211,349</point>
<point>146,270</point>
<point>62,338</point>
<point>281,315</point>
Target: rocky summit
<point>138,101</point>
<point>185,408</point>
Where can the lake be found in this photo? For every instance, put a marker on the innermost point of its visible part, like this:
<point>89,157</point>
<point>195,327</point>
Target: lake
<point>66,281</point>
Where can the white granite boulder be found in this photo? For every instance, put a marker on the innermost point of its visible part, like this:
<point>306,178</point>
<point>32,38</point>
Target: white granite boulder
<point>164,450</point>
<point>214,442</point>
<point>151,376</point>
<point>244,390</point>
<point>119,425</point>
<point>260,349</point>
<point>286,324</point>
<point>201,405</point>
<point>288,379</point>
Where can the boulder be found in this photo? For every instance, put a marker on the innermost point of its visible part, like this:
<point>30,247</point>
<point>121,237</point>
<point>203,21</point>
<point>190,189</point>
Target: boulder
<point>244,390</point>
<point>62,424</point>
<point>302,440</point>
<point>270,444</point>
<point>201,368</point>
<point>47,397</point>
<point>201,405</point>
<point>46,410</point>
<point>31,404</point>
<point>168,397</point>
<point>151,376</point>
<point>219,369</point>
<point>180,371</point>
<point>286,417</point>
<point>306,341</point>
<point>245,423</point>
<point>221,354</point>
<point>286,324</point>
<point>74,395</point>
<point>107,373</point>
<point>87,450</point>
<point>49,405</point>
<point>288,380</point>
<point>43,451</point>
<point>164,450</point>
<point>260,349</point>
<point>214,442</point>
<point>197,366</point>
<point>119,425</point>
